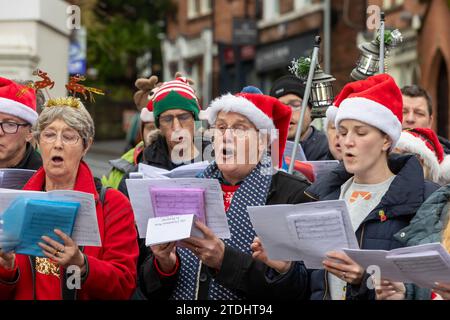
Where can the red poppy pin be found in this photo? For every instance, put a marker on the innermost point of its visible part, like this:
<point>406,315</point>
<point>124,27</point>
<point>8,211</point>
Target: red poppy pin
<point>382,215</point>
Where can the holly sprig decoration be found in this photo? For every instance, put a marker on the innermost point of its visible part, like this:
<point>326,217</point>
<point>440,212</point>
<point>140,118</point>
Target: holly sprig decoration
<point>300,67</point>
<point>391,38</point>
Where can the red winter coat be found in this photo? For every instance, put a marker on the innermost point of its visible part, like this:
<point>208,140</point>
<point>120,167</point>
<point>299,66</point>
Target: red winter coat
<point>111,268</point>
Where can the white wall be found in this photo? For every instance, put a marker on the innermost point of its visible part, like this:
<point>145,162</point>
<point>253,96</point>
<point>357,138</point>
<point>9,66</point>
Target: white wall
<point>34,34</point>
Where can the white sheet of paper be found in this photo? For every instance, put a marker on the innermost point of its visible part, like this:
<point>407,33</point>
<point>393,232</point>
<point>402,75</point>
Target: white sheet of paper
<point>85,231</point>
<point>169,228</point>
<point>424,264</point>
<point>303,232</point>
<point>185,171</point>
<point>322,167</point>
<point>152,172</point>
<point>143,209</point>
<point>300,154</point>
<point>377,258</point>
<point>188,170</point>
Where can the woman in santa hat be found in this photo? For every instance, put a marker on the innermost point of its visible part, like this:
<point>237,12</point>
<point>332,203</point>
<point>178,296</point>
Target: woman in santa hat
<point>245,127</point>
<point>383,191</point>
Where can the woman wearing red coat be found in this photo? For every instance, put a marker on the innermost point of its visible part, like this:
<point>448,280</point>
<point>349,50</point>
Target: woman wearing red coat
<point>65,132</point>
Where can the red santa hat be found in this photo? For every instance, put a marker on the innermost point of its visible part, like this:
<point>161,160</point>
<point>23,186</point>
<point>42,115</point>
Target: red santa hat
<point>376,101</point>
<point>18,100</point>
<point>147,113</point>
<point>265,112</point>
<point>425,143</point>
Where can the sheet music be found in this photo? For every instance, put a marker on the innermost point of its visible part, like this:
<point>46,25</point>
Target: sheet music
<point>423,264</point>
<point>85,231</point>
<point>303,232</point>
<point>142,205</point>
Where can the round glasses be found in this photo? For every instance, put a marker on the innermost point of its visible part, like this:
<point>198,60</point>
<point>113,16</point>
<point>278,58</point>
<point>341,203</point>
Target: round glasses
<point>50,136</point>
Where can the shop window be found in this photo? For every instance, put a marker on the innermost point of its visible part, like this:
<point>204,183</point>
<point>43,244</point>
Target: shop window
<point>197,8</point>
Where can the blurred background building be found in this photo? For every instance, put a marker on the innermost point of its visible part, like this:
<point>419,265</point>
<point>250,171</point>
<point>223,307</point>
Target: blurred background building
<point>34,34</point>
<point>227,44</point>
<point>222,44</point>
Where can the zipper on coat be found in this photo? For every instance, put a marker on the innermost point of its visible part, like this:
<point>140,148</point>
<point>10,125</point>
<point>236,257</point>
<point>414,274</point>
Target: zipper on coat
<point>197,280</point>
<point>361,236</point>
<point>310,196</point>
<point>326,285</point>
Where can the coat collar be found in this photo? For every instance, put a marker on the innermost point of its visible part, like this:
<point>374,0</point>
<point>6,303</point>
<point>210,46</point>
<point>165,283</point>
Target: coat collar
<point>84,181</point>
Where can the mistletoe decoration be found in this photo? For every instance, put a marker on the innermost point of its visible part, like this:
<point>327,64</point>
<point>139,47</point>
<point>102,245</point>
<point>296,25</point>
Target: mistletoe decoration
<point>300,67</point>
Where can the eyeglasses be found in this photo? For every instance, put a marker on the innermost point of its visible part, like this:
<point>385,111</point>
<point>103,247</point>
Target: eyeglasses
<point>50,136</point>
<point>183,119</point>
<point>238,131</point>
<point>12,127</point>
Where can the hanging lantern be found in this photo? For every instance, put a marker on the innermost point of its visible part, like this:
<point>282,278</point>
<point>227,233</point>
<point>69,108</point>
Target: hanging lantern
<point>321,93</point>
<point>368,62</point>
<point>321,96</point>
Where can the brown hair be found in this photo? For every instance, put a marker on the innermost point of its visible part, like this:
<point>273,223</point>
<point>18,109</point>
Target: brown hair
<point>415,91</point>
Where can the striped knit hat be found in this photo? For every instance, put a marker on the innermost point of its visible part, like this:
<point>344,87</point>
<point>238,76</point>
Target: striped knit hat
<point>175,94</point>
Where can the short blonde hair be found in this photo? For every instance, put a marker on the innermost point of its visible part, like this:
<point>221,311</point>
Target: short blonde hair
<point>72,112</point>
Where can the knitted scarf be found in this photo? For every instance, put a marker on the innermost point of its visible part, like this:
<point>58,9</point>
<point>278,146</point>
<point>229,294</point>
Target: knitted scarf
<point>252,192</point>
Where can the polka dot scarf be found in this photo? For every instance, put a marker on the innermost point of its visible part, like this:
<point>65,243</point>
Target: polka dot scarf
<point>252,192</point>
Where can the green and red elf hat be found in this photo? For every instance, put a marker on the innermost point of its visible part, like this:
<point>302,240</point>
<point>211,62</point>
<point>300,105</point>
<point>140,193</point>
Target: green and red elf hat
<point>175,94</point>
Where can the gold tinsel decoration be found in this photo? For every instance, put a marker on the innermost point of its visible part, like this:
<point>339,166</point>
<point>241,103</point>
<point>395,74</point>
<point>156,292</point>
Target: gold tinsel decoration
<point>63,102</point>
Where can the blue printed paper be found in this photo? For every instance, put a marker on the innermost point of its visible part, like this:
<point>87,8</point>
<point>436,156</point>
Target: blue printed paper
<point>30,219</point>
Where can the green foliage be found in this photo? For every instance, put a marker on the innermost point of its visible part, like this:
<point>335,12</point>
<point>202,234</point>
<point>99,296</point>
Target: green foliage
<point>300,67</point>
<point>118,32</point>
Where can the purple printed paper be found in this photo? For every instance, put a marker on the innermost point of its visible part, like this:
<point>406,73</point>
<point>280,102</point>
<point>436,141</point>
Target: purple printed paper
<point>178,201</point>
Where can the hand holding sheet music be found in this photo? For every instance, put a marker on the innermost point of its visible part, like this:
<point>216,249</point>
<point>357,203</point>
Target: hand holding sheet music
<point>423,264</point>
<point>303,232</point>
<point>85,227</point>
<point>214,211</point>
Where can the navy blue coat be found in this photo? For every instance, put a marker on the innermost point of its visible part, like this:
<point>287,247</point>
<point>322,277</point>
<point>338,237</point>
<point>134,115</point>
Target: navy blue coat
<point>404,197</point>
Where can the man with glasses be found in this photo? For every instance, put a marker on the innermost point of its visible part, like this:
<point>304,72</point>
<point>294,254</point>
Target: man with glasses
<point>174,109</point>
<point>290,90</point>
<point>17,115</point>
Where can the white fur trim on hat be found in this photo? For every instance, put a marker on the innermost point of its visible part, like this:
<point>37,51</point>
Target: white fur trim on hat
<point>445,170</point>
<point>147,115</point>
<point>372,113</point>
<point>232,103</point>
<point>331,113</point>
<point>18,109</point>
<point>413,144</point>
<point>203,114</point>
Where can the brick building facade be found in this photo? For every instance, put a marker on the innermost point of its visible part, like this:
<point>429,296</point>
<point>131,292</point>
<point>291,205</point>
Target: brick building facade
<point>424,56</point>
<point>199,41</point>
